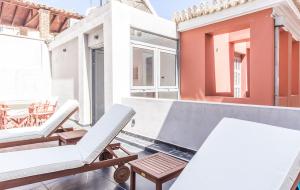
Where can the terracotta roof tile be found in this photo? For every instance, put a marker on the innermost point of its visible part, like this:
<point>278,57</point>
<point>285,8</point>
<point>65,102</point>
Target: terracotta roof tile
<point>206,8</point>
<point>28,3</point>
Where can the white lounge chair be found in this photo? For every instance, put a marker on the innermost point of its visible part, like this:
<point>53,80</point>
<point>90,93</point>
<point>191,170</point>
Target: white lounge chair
<point>244,155</point>
<point>43,133</point>
<point>31,166</point>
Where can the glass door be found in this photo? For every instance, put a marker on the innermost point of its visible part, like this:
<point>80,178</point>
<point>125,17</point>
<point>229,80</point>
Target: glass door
<point>237,77</point>
<point>98,104</point>
<point>168,81</point>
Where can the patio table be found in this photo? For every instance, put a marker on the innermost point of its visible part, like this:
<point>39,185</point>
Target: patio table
<point>70,137</point>
<point>158,168</point>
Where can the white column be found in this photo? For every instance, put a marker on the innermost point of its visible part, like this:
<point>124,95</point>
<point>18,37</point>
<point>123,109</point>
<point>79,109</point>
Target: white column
<point>44,23</point>
<point>278,24</point>
<point>121,52</point>
<point>83,82</point>
<point>276,75</point>
<point>108,75</point>
<point>116,32</point>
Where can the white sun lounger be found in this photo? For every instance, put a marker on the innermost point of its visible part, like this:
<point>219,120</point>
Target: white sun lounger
<point>30,166</point>
<point>30,135</point>
<point>244,155</point>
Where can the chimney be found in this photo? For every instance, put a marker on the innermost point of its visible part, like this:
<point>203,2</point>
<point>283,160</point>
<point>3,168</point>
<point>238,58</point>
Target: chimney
<point>44,23</point>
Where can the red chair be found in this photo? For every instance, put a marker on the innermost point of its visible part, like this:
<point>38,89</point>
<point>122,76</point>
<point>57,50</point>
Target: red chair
<point>19,119</point>
<point>34,110</point>
<point>4,120</point>
<point>3,106</point>
<point>40,112</point>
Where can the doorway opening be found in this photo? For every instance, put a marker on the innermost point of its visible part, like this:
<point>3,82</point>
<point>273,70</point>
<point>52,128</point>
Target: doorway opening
<point>98,104</point>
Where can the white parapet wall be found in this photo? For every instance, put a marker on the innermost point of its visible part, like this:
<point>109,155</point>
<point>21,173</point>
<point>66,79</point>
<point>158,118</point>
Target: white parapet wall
<point>24,69</point>
<point>187,124</point>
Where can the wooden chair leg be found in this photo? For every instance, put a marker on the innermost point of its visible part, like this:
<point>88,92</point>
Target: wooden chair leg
<point>132,180</point>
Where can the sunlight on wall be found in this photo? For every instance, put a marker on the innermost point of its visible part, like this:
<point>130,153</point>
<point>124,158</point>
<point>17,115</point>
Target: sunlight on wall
<point>24,69</point>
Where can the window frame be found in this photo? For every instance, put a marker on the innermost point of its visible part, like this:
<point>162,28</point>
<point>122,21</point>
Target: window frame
<point>133,87</point>
<point>237,78</point>
<point>157,63</point>
<point>176,70</point>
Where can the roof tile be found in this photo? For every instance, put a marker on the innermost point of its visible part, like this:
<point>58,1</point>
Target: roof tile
<point>206,8</point>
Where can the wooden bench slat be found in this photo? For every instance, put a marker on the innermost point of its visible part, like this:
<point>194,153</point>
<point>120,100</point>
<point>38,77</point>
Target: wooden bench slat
<point>157,168</point>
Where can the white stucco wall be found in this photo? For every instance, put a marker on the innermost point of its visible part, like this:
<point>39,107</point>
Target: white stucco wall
<point>95,38</point>
<point>64,61</point>
<point>123,18</point>
<point>83,32</point>
<point>24,69</point>
<point>112,23</point>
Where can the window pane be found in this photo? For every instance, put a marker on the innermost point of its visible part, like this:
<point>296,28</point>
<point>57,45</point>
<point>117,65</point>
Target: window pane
<point>167,69</point>
<point>149,38</point>
<point>168,95</point>
<point>143,67</point>
<point>237,76</point>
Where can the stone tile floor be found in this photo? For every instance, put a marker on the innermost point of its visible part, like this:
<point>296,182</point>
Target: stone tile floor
<point>96,180</point>
<point>156,146</point>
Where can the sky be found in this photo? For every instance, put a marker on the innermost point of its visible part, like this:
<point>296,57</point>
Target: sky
<point>164,8</point>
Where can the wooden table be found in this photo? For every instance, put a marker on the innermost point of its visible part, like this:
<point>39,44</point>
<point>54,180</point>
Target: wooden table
<point>70,137</point>
<point>158,168</point>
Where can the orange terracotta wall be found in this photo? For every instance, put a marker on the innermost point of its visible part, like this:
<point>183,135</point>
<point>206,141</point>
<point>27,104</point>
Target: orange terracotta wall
<point>220,50</point>
<point>210,80</point>
<point>295,68</point>
<point>218,75</point>
<point>289,71</point>
<point>238,35</point>
<point>197,54</point>
<point>222,64</point>
<point>285,63</point>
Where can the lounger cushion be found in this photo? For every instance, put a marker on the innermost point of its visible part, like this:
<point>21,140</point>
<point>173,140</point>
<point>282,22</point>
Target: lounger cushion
<point>19,134</point>
<point>58,117</point>
<point>26,163</point>
<point>103,132</point>
<point>244,155</point>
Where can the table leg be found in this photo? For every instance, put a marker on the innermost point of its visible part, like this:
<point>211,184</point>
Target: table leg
<point>132,180</point>
<point>158,185</point>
